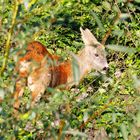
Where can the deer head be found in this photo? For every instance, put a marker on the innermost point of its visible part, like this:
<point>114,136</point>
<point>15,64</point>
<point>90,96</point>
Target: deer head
<point>94,54</point>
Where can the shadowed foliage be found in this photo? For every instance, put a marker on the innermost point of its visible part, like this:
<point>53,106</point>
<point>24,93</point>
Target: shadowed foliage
<point>101,106</point>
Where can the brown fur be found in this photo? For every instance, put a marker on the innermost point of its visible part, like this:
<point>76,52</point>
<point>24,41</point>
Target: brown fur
<point>38,69</point>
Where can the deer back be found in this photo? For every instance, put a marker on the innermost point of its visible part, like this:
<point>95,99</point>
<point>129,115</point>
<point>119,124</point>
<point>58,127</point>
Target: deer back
<point>35,56</point>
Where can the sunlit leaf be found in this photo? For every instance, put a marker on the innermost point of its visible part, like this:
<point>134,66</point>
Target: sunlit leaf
<point>31,3</point>
<point>32,115</point>
<point>106,5</point>
<point>124,16</point>
<point>138,33</point>
<point>85,1</point>
<point>1,120</point>
<point>24,116</point>
<point>2,93</point>
<point>75,67</point>
<point>85,116</point>
<point>124,132</point>
<point>138,1</point>
<point>136,83</point>
<point>138,120</point>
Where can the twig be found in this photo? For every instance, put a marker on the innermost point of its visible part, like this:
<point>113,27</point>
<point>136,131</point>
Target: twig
<point>62,124</point>
<point>7,46</point>
<point>96,114</point>
<point>114,22</point>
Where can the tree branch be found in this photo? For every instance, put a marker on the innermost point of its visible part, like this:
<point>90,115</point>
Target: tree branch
<point>114,22</point>
<point>7,46</point>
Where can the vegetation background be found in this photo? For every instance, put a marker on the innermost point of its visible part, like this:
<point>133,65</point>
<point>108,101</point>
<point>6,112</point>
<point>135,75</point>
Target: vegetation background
<point>102,106</point>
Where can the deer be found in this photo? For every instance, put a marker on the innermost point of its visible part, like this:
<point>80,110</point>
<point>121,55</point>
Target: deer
<point>38,69</point>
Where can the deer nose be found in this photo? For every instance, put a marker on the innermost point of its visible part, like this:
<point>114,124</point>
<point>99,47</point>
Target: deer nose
<point>105,68</point>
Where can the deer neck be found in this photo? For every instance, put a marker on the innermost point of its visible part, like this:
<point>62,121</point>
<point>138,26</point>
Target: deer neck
<point>63,73</point>
<point>84,59</point>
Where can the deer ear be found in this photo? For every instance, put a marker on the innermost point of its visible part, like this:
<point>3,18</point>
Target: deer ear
<point>88,37</point>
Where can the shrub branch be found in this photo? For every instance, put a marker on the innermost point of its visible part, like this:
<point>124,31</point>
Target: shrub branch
<point>97,113</point>
<point>7,46</point>
<point>114,22</point>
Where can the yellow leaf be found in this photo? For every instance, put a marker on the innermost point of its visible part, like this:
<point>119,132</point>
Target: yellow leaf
<point>31,3</point>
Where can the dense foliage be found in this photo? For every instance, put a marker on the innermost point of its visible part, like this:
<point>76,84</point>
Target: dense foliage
<point>102,106</point>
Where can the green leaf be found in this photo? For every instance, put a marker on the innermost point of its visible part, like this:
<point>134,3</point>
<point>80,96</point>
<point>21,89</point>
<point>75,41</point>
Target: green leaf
<point>85,1</point>
<point>2,93</point>
<point>124,132</point>
<point>98,21</point>
<point>75,67</point>
<point>121,49</point>
<point>106,5</point>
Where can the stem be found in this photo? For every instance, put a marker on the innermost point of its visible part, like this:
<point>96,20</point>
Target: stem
<point>110,29</point>
<point>97,113</point>
<point>7,46</point>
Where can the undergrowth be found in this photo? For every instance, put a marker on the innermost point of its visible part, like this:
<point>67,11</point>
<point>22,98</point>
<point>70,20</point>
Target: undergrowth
<point>101,106</point>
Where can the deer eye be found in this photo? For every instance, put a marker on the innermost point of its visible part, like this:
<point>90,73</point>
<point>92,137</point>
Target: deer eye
<point>97,55</point>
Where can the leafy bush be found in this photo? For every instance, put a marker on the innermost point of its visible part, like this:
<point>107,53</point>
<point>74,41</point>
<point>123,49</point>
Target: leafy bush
<point>101,105</point>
